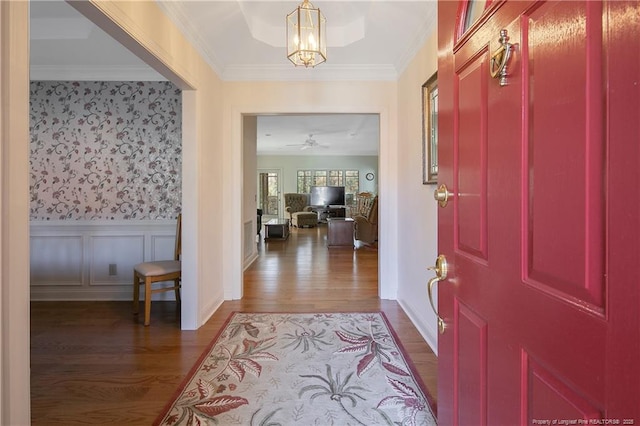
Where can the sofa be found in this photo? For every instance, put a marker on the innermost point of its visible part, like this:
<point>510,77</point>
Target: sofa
<point>365,218</point>
<point>300,214</point>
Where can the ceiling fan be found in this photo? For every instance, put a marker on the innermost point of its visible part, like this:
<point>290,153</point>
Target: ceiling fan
<point>309,143</point>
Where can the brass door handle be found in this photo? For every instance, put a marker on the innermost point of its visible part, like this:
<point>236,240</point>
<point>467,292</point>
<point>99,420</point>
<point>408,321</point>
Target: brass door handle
<point>500,59</point>
<point>442,195</point>
<point>441,269</point>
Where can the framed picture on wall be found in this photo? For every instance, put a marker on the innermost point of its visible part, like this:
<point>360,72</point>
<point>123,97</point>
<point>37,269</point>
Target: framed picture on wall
<point>430,130</point>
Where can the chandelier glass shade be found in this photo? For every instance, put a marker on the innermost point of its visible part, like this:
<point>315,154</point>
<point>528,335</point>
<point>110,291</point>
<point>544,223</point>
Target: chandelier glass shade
<point>306,36</point>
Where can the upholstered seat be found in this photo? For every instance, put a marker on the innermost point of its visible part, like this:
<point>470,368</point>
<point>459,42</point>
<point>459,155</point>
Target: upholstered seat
<point>299,212</point>
<point>300,219</point>
<point>154,269</point>
<point>366,218</point>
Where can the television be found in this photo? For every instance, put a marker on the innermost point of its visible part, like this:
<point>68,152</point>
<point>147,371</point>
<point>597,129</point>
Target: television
<point>326,196</point>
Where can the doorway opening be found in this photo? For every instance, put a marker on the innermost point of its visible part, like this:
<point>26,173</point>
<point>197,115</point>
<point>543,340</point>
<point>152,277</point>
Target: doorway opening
<point>269,194</point>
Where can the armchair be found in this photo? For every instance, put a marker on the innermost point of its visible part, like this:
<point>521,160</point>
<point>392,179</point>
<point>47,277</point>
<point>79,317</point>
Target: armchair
<point>300,214</point>
<point>366,218</point>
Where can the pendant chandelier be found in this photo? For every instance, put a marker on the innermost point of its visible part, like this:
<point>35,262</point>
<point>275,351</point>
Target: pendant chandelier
<point>306,36</point>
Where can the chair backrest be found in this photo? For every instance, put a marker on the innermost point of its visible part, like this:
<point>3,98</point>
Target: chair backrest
<point>373,213</point>
<point>178,249</point>
<point>367,206</point>
<point>297,202</point>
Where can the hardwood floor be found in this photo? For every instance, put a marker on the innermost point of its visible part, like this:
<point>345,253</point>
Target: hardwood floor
<point>95,363</point>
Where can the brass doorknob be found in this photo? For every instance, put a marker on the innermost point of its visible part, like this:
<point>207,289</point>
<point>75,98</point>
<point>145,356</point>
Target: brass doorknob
<point>442,195</point>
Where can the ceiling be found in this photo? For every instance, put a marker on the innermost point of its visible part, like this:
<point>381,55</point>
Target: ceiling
<point>366,40</point>
<point>318,134</point>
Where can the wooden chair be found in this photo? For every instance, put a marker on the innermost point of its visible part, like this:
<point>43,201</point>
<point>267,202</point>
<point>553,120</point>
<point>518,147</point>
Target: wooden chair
<point>149,273</point>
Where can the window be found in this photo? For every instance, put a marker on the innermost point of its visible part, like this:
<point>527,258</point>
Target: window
<point>350,179</point>
<point>474,9</point>
<point>304,181</point>
<point>351,184</point>
<point>336,178</point>
<point>320,178</point>
<point>268,193</point>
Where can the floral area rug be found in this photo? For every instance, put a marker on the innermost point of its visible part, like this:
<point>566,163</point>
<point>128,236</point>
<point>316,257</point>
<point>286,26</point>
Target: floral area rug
<point>274,369</point>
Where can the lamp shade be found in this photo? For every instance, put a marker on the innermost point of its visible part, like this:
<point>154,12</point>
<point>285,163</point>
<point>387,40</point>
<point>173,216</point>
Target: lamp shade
<point>306,36</point>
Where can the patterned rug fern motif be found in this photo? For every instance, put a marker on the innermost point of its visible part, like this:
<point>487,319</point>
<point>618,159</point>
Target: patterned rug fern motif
<point>302,369</point>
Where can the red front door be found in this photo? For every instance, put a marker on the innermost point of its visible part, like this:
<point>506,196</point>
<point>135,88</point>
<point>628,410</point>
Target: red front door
<point>541,233</point>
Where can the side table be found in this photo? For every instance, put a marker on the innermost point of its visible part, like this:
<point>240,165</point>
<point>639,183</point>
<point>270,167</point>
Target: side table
<point>340,232</point>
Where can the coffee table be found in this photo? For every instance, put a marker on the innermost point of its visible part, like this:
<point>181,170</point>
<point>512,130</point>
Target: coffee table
<point>276,229</point>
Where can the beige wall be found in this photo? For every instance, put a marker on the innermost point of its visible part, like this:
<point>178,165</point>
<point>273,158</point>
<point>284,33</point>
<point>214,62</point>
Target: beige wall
<point>310,97</point>
<point>212,152</point>
<point>417,230</point>
<point>144,29</point>
<point>14,213</point>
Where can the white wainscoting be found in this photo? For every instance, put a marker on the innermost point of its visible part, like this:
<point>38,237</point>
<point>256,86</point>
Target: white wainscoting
<point>74,260</point>
<point>250,238</point>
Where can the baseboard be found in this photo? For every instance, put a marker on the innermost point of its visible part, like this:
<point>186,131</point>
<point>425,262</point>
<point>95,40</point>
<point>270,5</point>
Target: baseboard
<point>427,335</point>
<point>249,261</point>
<point>50,294</point>
<point>210,310</point>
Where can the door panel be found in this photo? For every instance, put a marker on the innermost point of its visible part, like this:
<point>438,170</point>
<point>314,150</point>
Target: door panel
<point>552,397</point>
<point>471,152</point>
<point>541,299</point>
<point>471,366</point>
<point>564,181</point>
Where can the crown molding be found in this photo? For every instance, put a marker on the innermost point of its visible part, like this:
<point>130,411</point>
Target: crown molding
<point>309,153</point>
<point>413,48</point>
<point>324,72</point>
<point>93,73</point>
<point>175,12</point>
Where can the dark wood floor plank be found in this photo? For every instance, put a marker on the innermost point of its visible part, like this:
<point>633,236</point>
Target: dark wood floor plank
<point>95,363</point>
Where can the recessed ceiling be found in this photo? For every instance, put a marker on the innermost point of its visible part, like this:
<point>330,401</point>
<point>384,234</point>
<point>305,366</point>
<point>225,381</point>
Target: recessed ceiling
<point>366,39</point>
<point>244,40</point>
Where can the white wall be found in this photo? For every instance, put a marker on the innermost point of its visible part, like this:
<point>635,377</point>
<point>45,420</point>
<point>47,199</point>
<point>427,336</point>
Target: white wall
<point>290,164</point>
<point>250,191</point>
<point>70,259</point>
<point>417,228</point>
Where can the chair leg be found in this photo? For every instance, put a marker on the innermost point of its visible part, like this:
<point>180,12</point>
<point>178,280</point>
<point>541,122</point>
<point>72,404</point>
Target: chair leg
<point>147,301</point>
<point>176,283</point>
<point>136,294</point>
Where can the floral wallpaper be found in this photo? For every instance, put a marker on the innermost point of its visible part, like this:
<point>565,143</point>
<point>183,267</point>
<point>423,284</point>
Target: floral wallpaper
<point>105,150</point>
